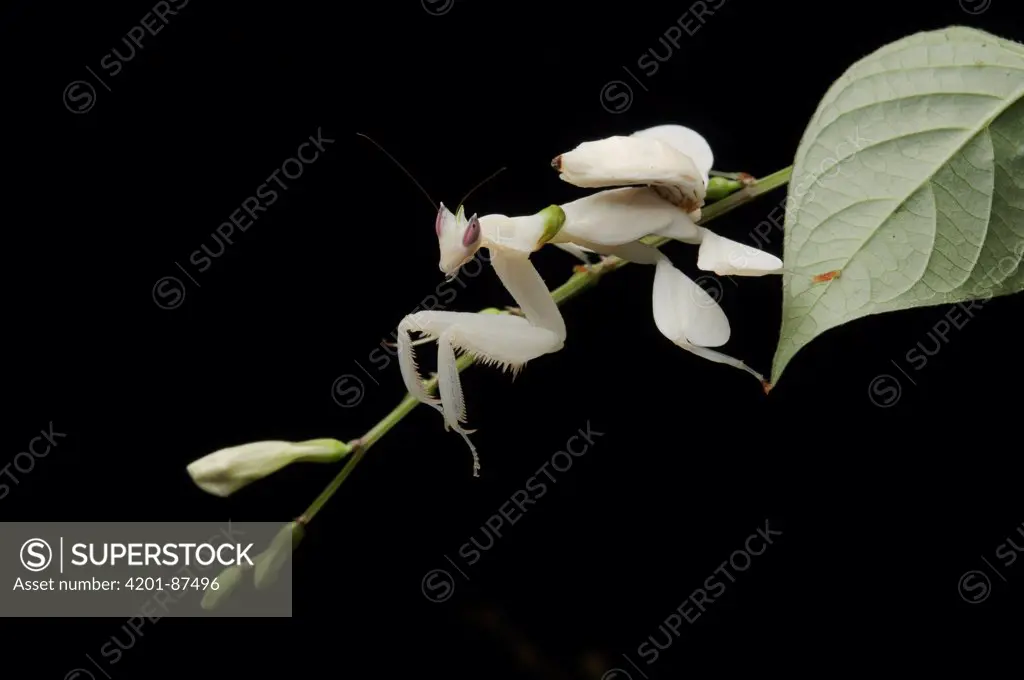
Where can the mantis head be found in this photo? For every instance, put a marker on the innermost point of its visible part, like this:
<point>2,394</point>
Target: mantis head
<point>458,238</point>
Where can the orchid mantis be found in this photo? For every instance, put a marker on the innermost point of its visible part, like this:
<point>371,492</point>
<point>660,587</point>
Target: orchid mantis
<point>662,174</point>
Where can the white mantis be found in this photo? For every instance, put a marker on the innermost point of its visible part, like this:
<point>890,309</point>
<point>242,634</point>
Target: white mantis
<point>663,173</point>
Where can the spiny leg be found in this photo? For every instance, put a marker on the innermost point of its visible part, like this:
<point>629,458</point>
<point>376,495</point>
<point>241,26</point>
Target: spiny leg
<point>407,361</point>
<point>414,343</point>
<point>504,341</point>
<point>431,324</point>
<point>449,386</point>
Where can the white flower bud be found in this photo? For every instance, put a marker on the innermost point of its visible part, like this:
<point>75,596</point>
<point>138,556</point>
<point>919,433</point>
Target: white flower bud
<point>227,582</point>
<point>224,472</point>
<point>270,561</point>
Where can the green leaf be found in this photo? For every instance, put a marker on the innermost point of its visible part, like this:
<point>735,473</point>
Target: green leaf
<point>908,185</point>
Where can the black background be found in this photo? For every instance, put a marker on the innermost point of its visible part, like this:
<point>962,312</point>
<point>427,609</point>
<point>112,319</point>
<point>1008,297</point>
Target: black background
<point>882,509</point>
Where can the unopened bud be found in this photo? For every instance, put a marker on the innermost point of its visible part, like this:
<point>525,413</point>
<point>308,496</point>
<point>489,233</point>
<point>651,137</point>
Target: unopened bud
<point>270,562</point>
<point>224,472</point>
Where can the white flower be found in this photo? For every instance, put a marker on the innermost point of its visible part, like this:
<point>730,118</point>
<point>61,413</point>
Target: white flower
<point>224,472</point>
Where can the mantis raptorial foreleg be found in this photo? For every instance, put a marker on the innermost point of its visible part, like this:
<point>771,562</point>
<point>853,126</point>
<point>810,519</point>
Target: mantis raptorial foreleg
<point>526,286</point>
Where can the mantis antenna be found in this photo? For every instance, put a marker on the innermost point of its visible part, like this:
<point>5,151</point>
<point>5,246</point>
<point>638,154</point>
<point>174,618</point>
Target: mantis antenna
<point>414,181</point>
<point>493,175</point>
<point>402,167</point>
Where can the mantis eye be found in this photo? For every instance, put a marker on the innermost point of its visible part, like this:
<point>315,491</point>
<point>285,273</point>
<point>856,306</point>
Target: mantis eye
<point>472,233</point>
<point>438,219</point>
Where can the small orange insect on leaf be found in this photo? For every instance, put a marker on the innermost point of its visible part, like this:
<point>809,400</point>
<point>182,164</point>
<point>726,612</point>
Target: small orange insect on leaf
<point>827,276</point>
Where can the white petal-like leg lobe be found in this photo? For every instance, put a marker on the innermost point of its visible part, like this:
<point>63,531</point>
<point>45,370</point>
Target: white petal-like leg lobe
<point>528,289</point>
<point>684,312</point>
<point>620,161</point>
<point>685,140</point>
<point>619,216</point>
<point>726,257</point>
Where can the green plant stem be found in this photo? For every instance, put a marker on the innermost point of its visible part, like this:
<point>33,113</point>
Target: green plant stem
<point>577,283</point>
